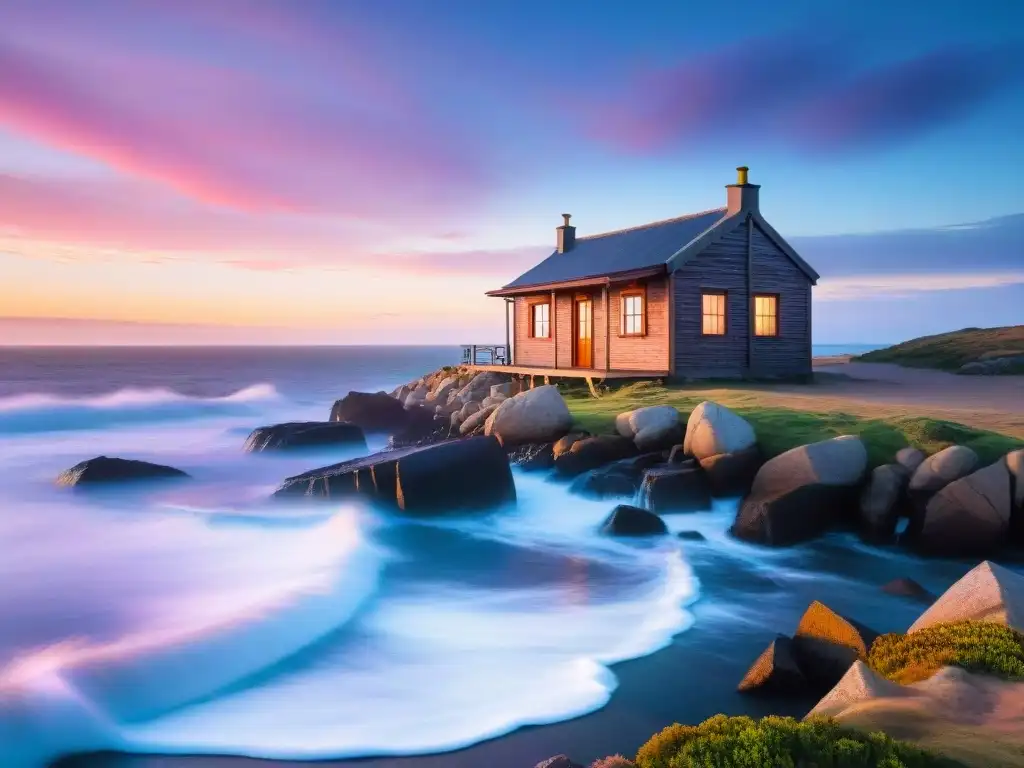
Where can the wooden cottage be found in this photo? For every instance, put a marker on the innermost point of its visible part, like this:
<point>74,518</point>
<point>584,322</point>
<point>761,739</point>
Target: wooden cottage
<point>712,294</point>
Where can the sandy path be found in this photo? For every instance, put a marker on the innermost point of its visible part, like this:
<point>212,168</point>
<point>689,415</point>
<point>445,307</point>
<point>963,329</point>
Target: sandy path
<point>885,390</point>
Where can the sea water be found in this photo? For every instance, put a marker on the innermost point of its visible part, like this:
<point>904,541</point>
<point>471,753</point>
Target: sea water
<point>196,617</point>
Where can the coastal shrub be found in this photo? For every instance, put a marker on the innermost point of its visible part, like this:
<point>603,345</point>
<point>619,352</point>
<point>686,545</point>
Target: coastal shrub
<point>977,646</point>
<point>779,742</point>
<point>615,761</point>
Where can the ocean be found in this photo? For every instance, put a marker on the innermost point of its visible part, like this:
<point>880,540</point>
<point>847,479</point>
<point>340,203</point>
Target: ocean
<point>200,619</point>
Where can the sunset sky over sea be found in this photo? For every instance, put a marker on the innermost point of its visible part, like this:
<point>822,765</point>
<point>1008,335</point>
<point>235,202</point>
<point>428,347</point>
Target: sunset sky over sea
<point>266,171</point>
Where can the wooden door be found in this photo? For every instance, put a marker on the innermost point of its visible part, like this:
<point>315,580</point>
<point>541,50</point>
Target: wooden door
<point>584,357</point>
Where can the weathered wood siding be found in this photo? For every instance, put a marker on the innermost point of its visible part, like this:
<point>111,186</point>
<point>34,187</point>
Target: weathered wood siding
<point>789,353</point>
<point>531,351</point>
<point>641,353</point>
<point>723,267</point>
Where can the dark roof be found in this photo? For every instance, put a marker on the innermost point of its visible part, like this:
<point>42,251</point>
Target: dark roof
<point>625,250</point>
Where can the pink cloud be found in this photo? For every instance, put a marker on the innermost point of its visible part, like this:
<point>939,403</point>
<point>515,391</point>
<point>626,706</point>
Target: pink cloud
<point>236,138</point>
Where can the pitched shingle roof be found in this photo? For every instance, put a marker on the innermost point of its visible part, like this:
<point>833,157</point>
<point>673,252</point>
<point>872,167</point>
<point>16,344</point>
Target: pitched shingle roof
<point>624,250</point>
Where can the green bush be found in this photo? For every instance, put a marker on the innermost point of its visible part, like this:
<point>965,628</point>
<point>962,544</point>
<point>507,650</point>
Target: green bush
<point>977,646</point>
<point>779,742</point>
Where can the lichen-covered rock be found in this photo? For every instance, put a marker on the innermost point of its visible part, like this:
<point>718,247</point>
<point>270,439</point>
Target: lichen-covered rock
<point>968,517</point>
<point>627,520</point>
<point>826,644</point>
<point>651,428</point>
<point>775,670</point>
<point>108,470</point>
<point>295,435</point>
<point>713,429</point>
<point>675,489</point>
<point>372,411</point>
<point>942,468</point>
<point>591,452</point>
<point>800,493</point>
<point>535,416</point>
<point>881,500</point>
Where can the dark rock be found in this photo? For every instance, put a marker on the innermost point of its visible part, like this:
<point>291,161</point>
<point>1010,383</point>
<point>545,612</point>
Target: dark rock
<point>732,474</point>
<point>909,458</point>
<point>103,470</point>
<point>799,494</point>
<point>373,411</point>
<point>676,455</point>
<point>691,536</point>
<point>453,476</point>
<point>904,587</point>
<point>675,489</point>
<point>626,520</point>
<point>591,452</point>
<point>532,456</point>
<point>422,427</point>
<point>826,645</point>
<point>969,517</point>
<point>558,761</point>
<point>882,500</point>
<point>619,478</point>
<point>304,434</point>
<point>566,442</point>
<point>775,671</point>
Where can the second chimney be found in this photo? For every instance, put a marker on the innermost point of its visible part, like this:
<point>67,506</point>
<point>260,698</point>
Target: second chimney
<point>566,235</point>
<point>742,195</point>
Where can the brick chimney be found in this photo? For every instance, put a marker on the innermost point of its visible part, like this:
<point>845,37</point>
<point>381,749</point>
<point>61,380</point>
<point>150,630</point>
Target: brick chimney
<point>742,196</point>
<point>566,235</point>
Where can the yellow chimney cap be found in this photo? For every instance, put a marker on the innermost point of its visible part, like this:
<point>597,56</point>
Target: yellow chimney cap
<point>741,174</point>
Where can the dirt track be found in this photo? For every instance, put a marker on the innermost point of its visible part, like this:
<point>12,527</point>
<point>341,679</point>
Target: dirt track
<point>885,390</point>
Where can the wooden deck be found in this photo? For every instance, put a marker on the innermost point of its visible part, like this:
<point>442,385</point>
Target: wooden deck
<point>569,373</point>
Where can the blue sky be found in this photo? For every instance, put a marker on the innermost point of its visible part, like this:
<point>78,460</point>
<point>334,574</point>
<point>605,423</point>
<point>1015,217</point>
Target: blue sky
<point>264,170</point>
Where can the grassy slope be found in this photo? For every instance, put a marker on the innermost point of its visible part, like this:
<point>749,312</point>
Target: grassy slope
<point>949,351</point>
<point>779,429</point>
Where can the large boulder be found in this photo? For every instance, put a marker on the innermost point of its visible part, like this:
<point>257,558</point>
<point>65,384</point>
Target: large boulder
<point>775,671</point>
<point>910,458</point>
<point>107,470</point>
<point>591,452</point>
<point>881,500</point>
<point>439,393</point>
<point>968,517</point>
<point>826,644</point>
<point>506,389</point>
<point>651,428</point>
<point>800,493</point>
<point>619,478</point>
<point>479,387</point>
<point>304,434</point>
<point>713,429</point>
<point>558,761</point>
<point>566,442</point>
<point>627,520</point>
<point>988,592</point>
<point>859,684</point>
<point>422,427</point>
<point>535,416</point>
<point>940,469</point>
<point>1015,464</point>
<point>372,411</point>
<point>732,474</point>
<point>476,419</point>
<point>675,488</point>
<point>453,476</point>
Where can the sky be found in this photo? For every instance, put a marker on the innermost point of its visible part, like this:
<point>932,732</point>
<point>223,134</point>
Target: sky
<point>326,172</point>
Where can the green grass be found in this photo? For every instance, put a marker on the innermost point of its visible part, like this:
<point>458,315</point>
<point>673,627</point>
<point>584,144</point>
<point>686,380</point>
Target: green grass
<point>949,351</point>
<point>981,647</point>
<point>779,742</point>
<point>779,429</point>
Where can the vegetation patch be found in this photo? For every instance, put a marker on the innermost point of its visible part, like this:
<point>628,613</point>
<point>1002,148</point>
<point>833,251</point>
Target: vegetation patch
<point>779,742</point>
<point>950,351</point>
<point>977,646</point>
<point>779,429</point>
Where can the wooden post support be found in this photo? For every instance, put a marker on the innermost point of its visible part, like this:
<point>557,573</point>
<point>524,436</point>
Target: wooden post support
<point>472,355</point>
<point>547,380</point>
<point>593,389</point>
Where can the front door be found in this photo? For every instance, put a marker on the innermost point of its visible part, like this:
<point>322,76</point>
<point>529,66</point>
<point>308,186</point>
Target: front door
<point>584,334</point>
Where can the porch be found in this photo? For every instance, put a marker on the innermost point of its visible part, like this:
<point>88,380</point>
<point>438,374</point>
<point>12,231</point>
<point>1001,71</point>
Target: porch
<point>592,376</point>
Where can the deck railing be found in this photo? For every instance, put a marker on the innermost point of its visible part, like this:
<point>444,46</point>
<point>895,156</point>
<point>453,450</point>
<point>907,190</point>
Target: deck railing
<point>485,354</point>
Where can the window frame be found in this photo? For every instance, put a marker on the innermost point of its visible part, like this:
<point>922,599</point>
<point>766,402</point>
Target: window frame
<point>628,293</point>
<point>532,318</point>
<point>753,313</point>
<point>725,312</point>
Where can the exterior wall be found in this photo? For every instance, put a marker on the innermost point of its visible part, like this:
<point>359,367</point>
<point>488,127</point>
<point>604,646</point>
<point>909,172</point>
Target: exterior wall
<point>540,352</point>
<point>723,267</point>
<point>789,353</point>
<point>641,353</point>
<point>565,329</point>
